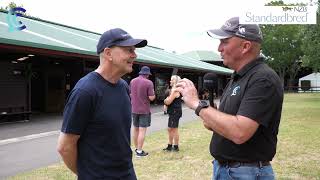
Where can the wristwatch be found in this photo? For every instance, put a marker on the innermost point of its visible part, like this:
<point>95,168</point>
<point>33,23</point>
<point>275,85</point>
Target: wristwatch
<point>202,104</point>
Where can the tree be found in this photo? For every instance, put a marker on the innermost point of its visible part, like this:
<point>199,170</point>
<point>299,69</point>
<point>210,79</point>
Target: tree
<point>311,45</point>
<point>282,47</point>
<point>12,5</point>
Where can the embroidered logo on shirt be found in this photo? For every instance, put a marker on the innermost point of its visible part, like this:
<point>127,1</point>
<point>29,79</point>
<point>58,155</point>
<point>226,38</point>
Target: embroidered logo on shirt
<point>235,90</point>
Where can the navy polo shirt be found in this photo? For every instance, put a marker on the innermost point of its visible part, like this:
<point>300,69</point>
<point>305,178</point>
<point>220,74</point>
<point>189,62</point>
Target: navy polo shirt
<point>100,112</point>
<point>255,92</point>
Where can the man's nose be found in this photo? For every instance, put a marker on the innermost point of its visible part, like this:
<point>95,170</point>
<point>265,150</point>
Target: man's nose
<point>220,48</point>
<point>133,54</point>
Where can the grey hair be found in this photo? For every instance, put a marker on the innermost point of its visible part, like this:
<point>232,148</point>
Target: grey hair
<point>176,79</point>
<point>101,56</point>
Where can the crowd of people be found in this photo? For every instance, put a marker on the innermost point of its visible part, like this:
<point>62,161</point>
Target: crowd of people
<point>95,141</point>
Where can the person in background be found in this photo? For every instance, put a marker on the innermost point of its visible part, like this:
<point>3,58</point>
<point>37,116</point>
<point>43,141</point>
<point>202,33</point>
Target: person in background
<point>204,94</point>
<point>174,104</point>
<point>94,142</point>
<point>142,92</point>
<point>247,123</point>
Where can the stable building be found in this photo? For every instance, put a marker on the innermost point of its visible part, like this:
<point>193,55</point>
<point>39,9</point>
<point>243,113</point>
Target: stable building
<point>40,65</point>
<point>211,58</point>
<point>205,56</point>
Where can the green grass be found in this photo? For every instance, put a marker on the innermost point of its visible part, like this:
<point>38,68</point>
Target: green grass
<point>298,152</point>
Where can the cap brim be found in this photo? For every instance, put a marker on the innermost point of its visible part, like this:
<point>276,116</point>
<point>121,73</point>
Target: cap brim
<point>141,73</point>
<point>219,34</point>
<point>138,43</point>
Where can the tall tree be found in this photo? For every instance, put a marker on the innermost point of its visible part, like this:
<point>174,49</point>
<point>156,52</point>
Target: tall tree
<point>311,44</point>
<point>282,47</point>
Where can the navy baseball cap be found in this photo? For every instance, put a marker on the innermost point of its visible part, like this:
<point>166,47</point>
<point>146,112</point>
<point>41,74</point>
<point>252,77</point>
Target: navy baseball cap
<point>118,37</point>
<point>145,70</point>
<point>232,27</point>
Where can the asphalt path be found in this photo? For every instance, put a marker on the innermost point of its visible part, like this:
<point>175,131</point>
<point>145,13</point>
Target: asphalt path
<point>29,145</point>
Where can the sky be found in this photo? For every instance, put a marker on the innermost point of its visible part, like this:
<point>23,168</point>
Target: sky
<point>173,25</point>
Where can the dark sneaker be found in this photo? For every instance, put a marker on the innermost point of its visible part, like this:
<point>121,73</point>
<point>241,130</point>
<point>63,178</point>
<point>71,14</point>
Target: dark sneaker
<point>142,154</point>
<point>168,148</point>
<point>175,148</point>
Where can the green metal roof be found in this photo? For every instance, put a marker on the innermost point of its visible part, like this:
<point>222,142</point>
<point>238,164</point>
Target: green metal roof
<point>48,35</point>
<point>208,56</point>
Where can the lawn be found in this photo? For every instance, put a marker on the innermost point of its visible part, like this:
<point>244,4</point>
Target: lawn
<point>298,152</point>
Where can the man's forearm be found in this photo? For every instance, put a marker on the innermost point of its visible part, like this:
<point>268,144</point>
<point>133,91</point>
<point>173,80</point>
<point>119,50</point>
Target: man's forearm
<point>220,122</point>
<point>237,128</point>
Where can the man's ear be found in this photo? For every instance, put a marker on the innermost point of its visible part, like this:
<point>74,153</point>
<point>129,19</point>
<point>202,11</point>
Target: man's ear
<point>247,45</point>
<point>107,54</point>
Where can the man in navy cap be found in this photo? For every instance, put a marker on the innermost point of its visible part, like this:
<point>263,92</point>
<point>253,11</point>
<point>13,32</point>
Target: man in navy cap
<point>247,122</point>
<point>142,92</point>
<point>95,136</point>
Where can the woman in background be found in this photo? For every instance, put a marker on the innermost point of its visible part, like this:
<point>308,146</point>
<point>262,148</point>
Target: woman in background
<point>173,102</point>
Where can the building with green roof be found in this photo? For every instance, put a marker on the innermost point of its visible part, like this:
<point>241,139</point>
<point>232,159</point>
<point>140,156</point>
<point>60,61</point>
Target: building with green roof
<point>40,65</point>
<point>206,56</point>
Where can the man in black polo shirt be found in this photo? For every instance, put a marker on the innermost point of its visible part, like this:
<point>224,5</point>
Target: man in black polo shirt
<point>246,125</point>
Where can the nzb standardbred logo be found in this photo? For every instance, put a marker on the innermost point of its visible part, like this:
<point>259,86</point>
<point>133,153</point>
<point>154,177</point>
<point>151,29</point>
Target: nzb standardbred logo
<point>13,23</point>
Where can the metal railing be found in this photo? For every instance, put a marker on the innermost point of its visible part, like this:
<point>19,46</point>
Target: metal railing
<point>302,89</point>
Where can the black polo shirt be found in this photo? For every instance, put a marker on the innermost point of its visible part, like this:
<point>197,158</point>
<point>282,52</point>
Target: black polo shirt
<point>255,92</point>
